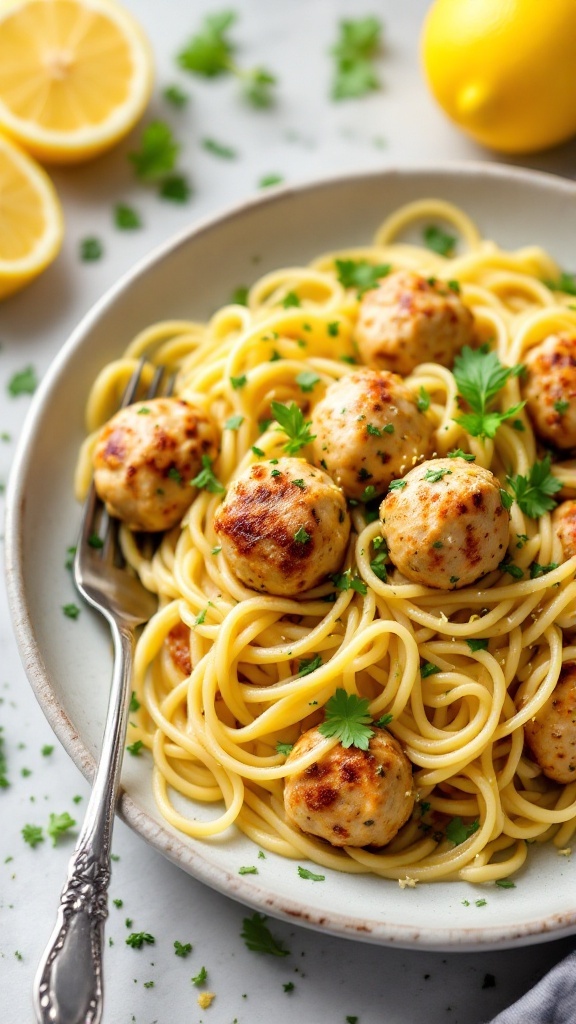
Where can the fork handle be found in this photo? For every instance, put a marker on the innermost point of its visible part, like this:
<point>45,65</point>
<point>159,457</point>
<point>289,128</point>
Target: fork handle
<point>69,985</point>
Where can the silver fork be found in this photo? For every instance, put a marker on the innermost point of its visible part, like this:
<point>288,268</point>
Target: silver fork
<point>68,988</point>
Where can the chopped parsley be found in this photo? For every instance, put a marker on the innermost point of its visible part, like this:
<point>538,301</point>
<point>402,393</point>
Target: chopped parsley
<point>423,400</point>
<point>360,274</point>
<point>134,702</point>
<point>566,283</point>
<point>301,537</point>
<point>58,825</point>
<point>239,296</point>
<point>234,422</point>
<point>258,937</point>
<point>182,948</point>
<point>305,873</point>
<point>356,48</point>
<point>135,748</point>
<point>438,240</point>
<point>176,188</point>
<point>24,382</point>
<point>429,669</point>
<point>307,380</point>
<point>480,375</point>
<point>457,453</point>
<point>210,53</point>
<point>32,834</point>
<point>90,249</point>
<point>561,406</point>
<point>219,149</point>
<point>157,154</point>
<point>71,611</point>
<point>126,217</point>
<point>457,832</point>
<point>541,570</point>
<point>346,581</point>
<point>291,299</point>
<point>292,422</point>
<point>505,883</point>
<point>175,96</point>
<point>515,571</point>
<point>348,718</point>
<point>47,749</point>
<point>239,382</point>
<point>478,644</point>
<point>200,978</point>
<point>205,480</point>
<point>434,475</point>
<point>397,485</point>
<point>308,665</point>
<point>248,870</point>
<point>284,748</point>
<point>139,939</point>
<point>534,491</point>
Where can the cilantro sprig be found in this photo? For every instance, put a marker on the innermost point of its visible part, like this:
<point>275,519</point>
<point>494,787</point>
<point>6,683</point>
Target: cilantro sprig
<point>292,422</point>
<point>357,46</point>
<point>534,491</point>
<point>480,376</point>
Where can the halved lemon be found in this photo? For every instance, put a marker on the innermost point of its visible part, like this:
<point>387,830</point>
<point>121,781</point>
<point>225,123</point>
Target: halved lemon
<point>75,76</point>
<point>31,223</point>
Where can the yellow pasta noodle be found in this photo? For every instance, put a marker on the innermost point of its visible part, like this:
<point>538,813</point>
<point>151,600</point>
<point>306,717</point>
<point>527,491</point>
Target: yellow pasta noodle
<point>213,731</point>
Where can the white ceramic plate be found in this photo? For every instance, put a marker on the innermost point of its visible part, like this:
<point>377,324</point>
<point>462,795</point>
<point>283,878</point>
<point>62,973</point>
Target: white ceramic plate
<point>69,663</point>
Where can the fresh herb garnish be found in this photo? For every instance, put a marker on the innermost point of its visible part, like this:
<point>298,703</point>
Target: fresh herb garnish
<point>292,422</point>
<point>24,382</point>
<point>139,939</point>
<point>561,406</point>
<point>284,748</point>
<point>423,400</point>
<point>200,978</point>
<point>515,571</point>
<point>429,669</point>
<point>537,570</point>
<point>438,240</point>
<point>135,748</point>
<point>480,375</point>
<point>291,300</point>
<point>457,453</point>
<point>307,380</point>
<point>219,149</point>
<point>126,217</point>
<point>176,188</point>
<point>566,283</point>
<point>356,48</point>
<point>301,536</point>
<point>433,476</point>
<point>58,825</point>
<point>346,581</point>
<point>210,53</point>
<point>258,937</point>
<point>534,491</point>
<point>305,873</point>
<point>90,249</point>
<point>32,834</point>
<point>477,645</point>
<point>71,610</point>
<point>176,96</point>
<point>348,718</point>
<point>457,832</point>
<point>308,665</point>
<point>157,154</point>
<point>205,479</point>
<point>360,274</point>
<point>234,422</point>
<point>397,485</point>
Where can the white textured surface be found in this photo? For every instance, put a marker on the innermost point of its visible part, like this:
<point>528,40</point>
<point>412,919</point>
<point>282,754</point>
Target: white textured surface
<point>305,137</point>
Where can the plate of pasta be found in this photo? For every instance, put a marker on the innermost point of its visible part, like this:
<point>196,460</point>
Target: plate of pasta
<point>355,705</point>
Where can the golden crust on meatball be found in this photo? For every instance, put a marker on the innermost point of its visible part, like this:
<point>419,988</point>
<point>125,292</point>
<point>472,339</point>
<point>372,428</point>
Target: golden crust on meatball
<point>283,527</point>
<point>369,430</point>
<point>408,320</point>
<point>550,389</point>
<point>564,526</point>
<point>446,525</point>
<point>351,797</point>
<point>551,735</point>
<point>146,457</point>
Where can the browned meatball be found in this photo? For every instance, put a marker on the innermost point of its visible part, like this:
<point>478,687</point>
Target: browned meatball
<point>408,320</point>
<point>351,797</point>
<point>551,735</point>
<point>445,526</point>
<point>564,525</point>
<point>283,526</point>
<point>145,458</point>
<point>178,643</point>
<point>550,389</point>
<point>369,430</point>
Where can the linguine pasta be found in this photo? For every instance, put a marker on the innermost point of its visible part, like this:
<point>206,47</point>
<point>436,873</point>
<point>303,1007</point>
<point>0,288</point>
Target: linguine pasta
<point>224,674</point>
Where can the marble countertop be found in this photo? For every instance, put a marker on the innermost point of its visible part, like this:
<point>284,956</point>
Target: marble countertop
<point>305,136</point>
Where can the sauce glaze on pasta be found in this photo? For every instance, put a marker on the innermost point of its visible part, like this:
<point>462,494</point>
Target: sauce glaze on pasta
<point>217,668</point>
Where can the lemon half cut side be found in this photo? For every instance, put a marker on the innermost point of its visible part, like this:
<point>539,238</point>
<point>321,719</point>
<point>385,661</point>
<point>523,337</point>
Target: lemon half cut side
<point>75,76</point>
<point>31,222</point>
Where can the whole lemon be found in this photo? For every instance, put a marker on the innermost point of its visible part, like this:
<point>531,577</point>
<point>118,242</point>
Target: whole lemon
<point>504,70</point>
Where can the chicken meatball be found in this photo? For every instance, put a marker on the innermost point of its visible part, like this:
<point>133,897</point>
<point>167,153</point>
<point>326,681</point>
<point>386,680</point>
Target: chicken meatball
<point>564,525</point>
<point>408,320</point>
<point>369,430</point>
<point>550,390</point>
<point>351,797</point>
<point>551,735</point>
<point>145,458</point>
<point>283,527</point>
<point>445,525</point>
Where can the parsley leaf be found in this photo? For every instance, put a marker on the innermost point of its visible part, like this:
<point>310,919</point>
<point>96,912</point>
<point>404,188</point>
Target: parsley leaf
<point>308,665</point>
<point>541,570</point>
<point>348,718</point>
<point>209,52</point>
<point>433,476</point>
<point>438,240</point>
<point>176,96</point>
<point>429,669</point>
<point>457,832</point>
<point>176,188</point>
<point>200,978</point>
<point>58,825</point>
<point>258,937</point>
<point>480,375</point>
<point>354,52</point>
<point>305,873</point>
<point>515,571</point>
<point>234,422</point>
<point>360,274</point>
<point>534,491</point>
<point>157,154</point>
<point>206,480</point>
<point>307,380</point>
<point>292,422</point>
<point>301,536</point>
<point>284,748</point>
<point>90,249</point>
<point>219,149</point>
<point>24,382</point>
<point>126,217</point>
<point>138,939</point>
<point>477,645</point>
<point>346,581</point>
<point>566,283</point>
<point>182,949</point>
<point>257,86</point>
<point>291,300</point>
<point>423,400</point>
<point>457,453</point>
<point>32,834</point>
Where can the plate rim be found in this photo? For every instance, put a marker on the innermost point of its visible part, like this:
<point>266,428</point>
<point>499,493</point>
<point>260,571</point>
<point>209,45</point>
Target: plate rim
<point>162,837</point>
